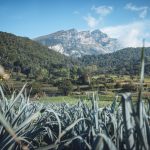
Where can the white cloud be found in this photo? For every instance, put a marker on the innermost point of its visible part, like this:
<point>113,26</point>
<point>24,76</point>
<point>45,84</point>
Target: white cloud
<point>142,10</point>
<point>102,10</point>
<point>91,21</point>
<point>130,35</point>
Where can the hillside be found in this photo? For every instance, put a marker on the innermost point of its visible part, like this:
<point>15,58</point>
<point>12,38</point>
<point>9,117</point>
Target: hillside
<point>25,54</point>
<point>20,54</point>
<point>125,61</point>
<point>79,43</point>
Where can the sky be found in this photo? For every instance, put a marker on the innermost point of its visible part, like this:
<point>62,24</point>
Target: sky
<point>127,20</point>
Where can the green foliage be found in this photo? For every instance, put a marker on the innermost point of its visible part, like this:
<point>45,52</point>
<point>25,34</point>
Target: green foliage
<point>36,88</point>
<point>21,54</point>
<point>28,125</point>
<point>73,72</point>
<point>118,85</point>
<point>129,87</point>
<point>125,61</point>
<point>65,86</point>
<point>25,124</point>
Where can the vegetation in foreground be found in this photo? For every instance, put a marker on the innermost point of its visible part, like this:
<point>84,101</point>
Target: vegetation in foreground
<point>30,125</point>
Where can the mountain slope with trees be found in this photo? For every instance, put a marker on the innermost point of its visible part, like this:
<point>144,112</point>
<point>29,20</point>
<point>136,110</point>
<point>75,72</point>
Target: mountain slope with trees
<point>125,61</point>
<point>21,54</point>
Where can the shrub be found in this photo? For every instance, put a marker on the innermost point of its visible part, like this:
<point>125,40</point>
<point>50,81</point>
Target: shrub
<point>66,87</point>
<point>118,85</point>
<point>129,87</point>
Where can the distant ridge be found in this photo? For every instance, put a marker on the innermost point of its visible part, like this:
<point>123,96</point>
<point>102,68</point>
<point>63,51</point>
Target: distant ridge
<point>124,61</point>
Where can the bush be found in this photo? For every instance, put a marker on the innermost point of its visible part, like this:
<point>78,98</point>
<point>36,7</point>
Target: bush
<point>66,87</point>
<point>36,88</point>
<point>18,78</point>
<point>129,87</point>
<point>118,85</point>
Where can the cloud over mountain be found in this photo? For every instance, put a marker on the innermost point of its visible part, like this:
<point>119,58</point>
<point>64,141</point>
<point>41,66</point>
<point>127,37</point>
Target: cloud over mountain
<point>131,34</point>
<point>97,15</point>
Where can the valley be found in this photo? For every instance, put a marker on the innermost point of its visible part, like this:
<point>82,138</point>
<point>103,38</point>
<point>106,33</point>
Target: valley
<point>106,86</point>
<point>52,74</point>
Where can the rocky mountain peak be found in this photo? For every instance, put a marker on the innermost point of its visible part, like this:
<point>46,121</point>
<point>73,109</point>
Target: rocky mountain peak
<point>78,43</point>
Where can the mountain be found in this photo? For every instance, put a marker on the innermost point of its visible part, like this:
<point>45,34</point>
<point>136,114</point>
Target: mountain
<point>26,53</point>
<point>74,43</point>
<point>125,61</point>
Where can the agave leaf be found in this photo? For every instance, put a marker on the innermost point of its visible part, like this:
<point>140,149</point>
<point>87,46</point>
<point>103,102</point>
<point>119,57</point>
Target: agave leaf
<point>140,106</point>
<point>142,127</point>
<point>12,144</point>
<point>49,147</point>
<point>113,105</point>
<point>148,132</point>
<point>2,93</point>
<point>102,140</point>
<point>8,128</point>
<point>17,97</point>
<point>67,129</point>
<point>59,123</point>
<point>128,119</point>
<point>142,73</point>
<point>18,116</point>
<point>50,134</point>
<point>28,121</point>
<point>69,141</point>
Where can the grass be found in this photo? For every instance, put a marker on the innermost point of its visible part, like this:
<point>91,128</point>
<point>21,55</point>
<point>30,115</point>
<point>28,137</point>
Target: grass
<point>84,125</point>
<point>59,99</point>
<point>103,101</point>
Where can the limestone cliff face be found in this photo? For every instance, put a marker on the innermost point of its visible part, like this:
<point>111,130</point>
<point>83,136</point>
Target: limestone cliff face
<point>79,43</point>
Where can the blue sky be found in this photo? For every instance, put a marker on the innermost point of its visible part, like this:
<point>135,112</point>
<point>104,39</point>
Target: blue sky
<point>128,20</point>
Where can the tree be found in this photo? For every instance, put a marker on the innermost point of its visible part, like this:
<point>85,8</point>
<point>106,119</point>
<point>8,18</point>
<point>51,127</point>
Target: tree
<point>66,87</point>
<point>129,87</point>
<point>73,72</point>
<point>26,71</point>
<point>41,73</point>
<point>84,79</point>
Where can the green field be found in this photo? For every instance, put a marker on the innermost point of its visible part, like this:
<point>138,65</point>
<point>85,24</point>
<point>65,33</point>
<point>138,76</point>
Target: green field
<point>106,95</point>
<point>103,100</point>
